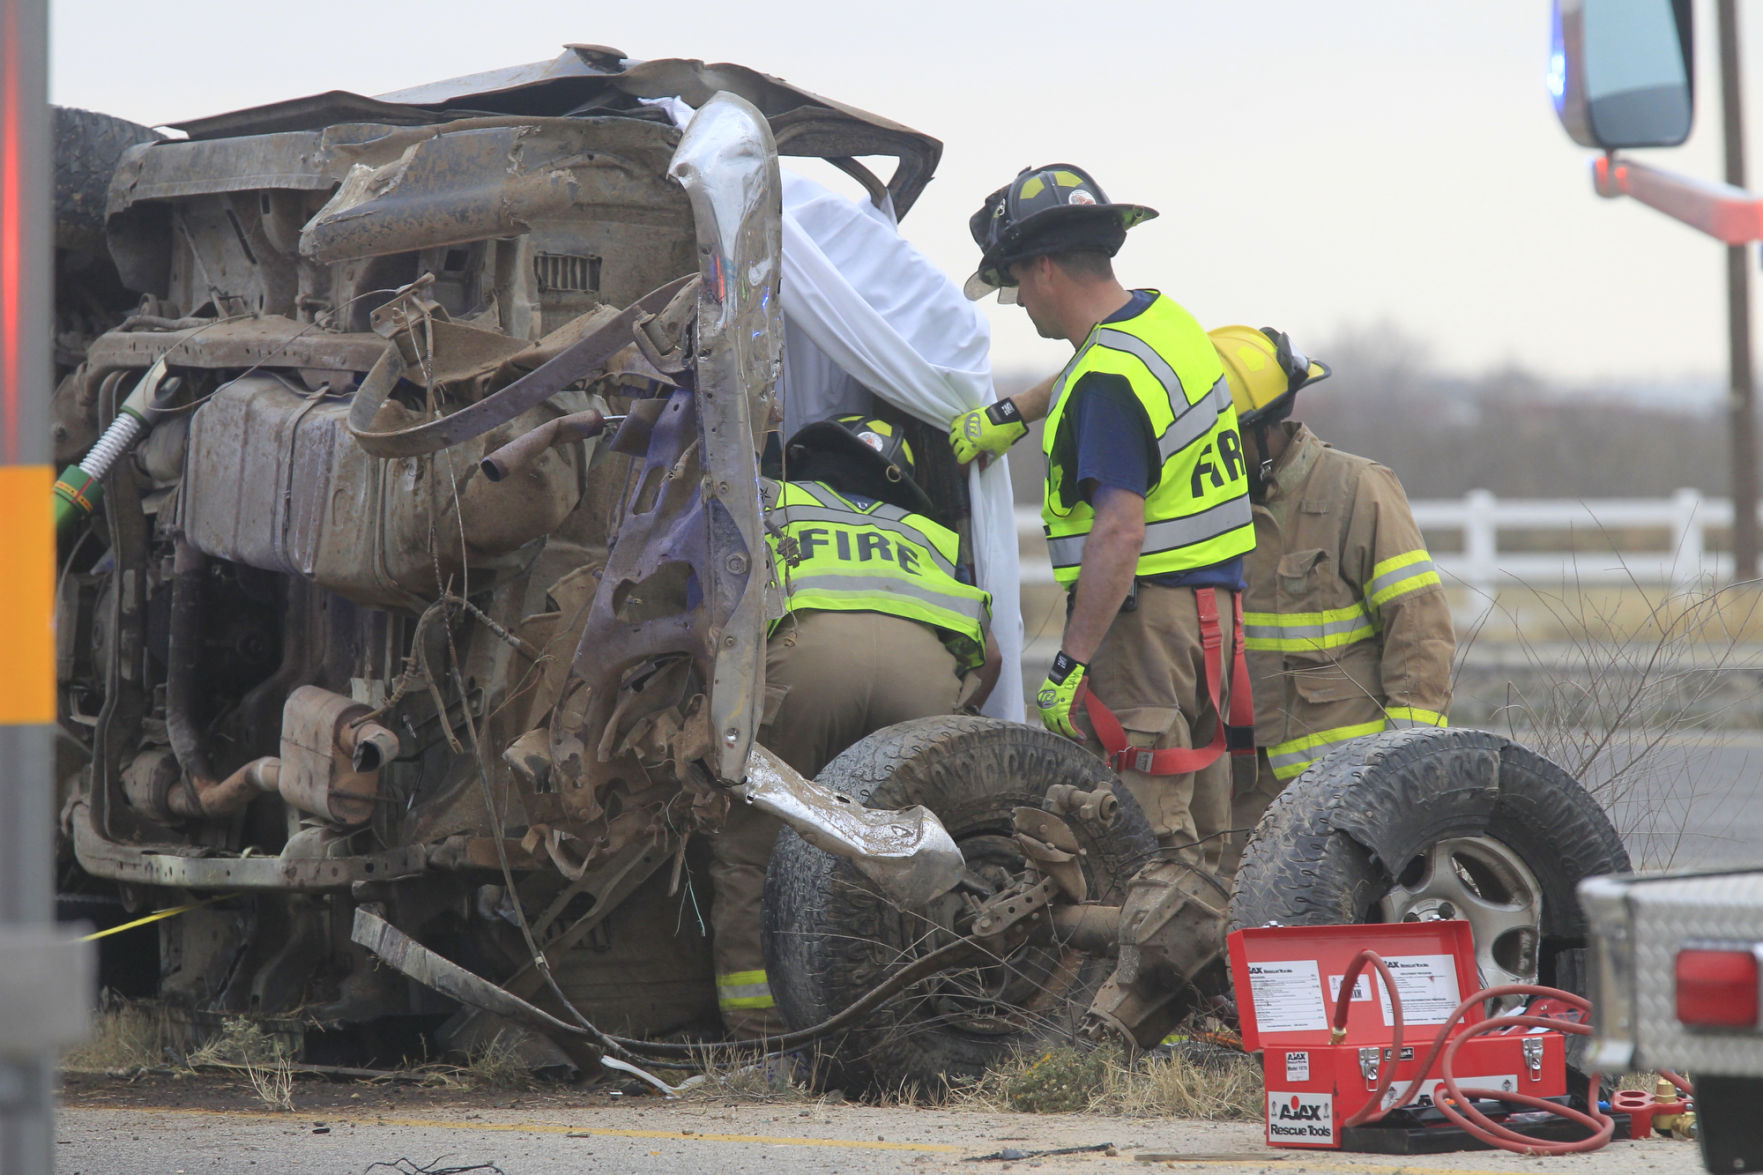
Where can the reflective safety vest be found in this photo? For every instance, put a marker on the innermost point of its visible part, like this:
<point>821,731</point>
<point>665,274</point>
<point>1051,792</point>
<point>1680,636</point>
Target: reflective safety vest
<point>1197,507</point>
<point>867,556</point>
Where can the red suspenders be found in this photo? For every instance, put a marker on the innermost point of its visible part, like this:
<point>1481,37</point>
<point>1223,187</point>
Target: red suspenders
<point>1236,734</point>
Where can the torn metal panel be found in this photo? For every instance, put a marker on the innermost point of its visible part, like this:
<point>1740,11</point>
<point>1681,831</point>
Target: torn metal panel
<point>592,79</point>
<point>317,159</point>
<point>728,166</point>
<point>297,114</point>
<point>651,613</point>
<point>684,583</point>
<point>471,181</point>
<point>294,162</point>
<point>575,63</point>
<point>908,853</point>
<point>411,958</point>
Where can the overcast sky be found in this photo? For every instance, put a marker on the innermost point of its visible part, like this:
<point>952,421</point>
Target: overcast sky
<point>1320,166</point>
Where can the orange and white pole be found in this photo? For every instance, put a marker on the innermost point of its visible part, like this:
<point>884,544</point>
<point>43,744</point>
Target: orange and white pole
<point>44,975</point>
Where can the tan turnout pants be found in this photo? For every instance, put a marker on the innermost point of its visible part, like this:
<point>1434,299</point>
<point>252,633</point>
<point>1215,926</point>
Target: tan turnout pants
<point>1151,671</point>
<point>1255,793</point>
<point>845,676</point>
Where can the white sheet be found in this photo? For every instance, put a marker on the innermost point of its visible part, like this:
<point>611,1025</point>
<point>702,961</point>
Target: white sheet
<point>865,310</point>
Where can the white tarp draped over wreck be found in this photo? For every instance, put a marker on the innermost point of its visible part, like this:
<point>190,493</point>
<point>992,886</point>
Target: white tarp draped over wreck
<point>866,311</point>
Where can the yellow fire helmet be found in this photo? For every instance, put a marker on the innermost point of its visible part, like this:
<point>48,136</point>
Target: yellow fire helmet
<point>1264,371</point>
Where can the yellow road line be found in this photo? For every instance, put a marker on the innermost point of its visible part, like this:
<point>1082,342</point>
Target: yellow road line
<point>590,1131</point>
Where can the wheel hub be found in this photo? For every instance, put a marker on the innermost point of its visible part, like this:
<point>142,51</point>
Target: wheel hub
<point>1485,883</point>
<point>1009,994</point>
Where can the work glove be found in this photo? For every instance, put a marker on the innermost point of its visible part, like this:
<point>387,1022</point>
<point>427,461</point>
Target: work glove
<point>986,432</point>
<point>1059,695</point>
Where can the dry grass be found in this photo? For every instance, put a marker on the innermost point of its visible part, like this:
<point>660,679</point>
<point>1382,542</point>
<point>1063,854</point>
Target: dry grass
<point>124,1036</point>
<point>496,1064</point>
<point>128,1037</point>
<point>1220,1088</point>
<point>266,1059</point>
<point>1226,1089</point>
<point>722,1076</point>
<point>240,1042</point>
<point>274,1083</point>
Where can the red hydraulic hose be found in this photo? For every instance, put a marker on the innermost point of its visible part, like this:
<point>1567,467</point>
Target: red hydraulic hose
<point>1491,993</point>
<point>1457,1106</point>
<point>1338,1029</point>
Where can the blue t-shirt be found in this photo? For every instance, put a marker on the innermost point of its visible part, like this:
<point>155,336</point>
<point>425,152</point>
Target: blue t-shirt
<point>1115,448</point>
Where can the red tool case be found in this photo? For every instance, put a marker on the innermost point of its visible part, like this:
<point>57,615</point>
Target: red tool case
<point>1287,980</point>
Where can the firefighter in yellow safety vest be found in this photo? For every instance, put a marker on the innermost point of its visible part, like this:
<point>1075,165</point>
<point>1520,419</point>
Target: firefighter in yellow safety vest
<point>1145,501</point>
<point>1347,625</point>
<point>883,626</point>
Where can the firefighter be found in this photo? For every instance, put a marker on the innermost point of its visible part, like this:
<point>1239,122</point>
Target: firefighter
<point>882,626</point>
<point>1347,626</point>
<point>1145,501</point>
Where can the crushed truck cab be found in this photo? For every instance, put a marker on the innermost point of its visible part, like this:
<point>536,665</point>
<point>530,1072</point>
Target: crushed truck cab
<point>416,587</point>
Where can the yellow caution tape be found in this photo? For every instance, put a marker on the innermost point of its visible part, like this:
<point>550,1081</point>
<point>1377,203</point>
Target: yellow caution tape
<point>158,916</point>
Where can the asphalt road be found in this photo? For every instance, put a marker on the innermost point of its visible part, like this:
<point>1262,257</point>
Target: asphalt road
<point>1688,801</point>
<point>763,1139</point>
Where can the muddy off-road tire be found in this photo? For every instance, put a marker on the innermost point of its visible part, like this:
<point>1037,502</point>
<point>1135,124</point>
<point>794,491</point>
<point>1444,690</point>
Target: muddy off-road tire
<point>1413,824</point>
<point>830,936</point>
<point>87,148</point>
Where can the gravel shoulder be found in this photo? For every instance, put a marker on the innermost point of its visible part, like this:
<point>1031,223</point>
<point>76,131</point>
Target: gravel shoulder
<point>204,1125</point>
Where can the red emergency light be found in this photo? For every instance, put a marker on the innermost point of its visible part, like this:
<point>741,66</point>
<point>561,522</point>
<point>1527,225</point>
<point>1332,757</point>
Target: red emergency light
<point>14,378</point>
<point>1717,987</point>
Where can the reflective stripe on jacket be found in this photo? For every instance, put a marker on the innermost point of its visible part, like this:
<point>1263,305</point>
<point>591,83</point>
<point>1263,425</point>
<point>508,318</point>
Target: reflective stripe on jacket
<point>1345,619</point>
<point>1197,509</point>
<point>869,556</point>
<point>743,989</point>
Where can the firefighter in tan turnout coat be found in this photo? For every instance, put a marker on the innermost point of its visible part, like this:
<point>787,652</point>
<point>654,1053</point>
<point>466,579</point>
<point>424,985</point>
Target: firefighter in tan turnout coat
<point>1346,623</point>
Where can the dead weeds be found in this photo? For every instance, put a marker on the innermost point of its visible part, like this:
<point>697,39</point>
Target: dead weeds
<point>124,1036</point>
<point>496,1064</point>
<point>772,1078</point>
<point>1210,1087</point>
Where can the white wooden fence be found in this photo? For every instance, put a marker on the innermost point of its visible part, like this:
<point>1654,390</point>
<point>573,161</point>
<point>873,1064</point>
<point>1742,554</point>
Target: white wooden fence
<point>1566,541</point>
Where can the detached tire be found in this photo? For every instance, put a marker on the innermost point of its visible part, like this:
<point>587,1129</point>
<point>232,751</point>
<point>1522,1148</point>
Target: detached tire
<point>87,147</point>
<point>830,936</point>
<point>1416,824</point>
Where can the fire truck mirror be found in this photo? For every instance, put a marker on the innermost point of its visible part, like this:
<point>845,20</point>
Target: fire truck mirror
<point>1621,72</point>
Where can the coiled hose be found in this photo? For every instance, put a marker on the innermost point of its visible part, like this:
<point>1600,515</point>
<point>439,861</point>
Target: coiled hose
<point>1458,1104</point>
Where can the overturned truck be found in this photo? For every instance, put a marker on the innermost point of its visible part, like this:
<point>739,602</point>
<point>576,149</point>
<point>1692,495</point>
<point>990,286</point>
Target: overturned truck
<point>415,588</point>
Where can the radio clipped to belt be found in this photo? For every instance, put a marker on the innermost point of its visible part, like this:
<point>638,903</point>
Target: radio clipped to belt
<point>1235,733</point>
